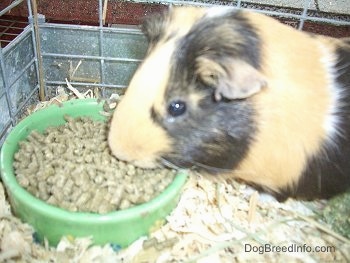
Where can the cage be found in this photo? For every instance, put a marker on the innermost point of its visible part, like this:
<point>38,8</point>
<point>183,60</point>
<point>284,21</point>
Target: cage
<point>96,44</point>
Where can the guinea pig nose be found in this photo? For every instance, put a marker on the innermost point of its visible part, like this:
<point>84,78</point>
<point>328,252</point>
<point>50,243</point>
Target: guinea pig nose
<point>177,108</point>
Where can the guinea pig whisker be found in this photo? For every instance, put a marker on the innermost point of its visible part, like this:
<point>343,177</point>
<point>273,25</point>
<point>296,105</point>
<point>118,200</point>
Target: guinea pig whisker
<point>232,173</point>
<point>169,164</point>
<point>210,168</point>
<point>199,165</point>
<point>342,67</point>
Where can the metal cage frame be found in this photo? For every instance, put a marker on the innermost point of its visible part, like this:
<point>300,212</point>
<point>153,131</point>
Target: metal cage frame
<point>38,60</point>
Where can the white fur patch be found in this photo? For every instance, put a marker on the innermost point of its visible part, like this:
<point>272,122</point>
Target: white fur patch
<point>332,121</point>
<point>218,11</point>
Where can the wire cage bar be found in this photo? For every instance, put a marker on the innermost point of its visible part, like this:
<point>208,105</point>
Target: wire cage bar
<point>40,56</point>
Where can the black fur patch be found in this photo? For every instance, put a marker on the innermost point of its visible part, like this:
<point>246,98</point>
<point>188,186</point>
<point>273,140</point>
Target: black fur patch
<point>328,172</point>
<point>153,28</point>
<point>211,135</point>
<point>215,37</point>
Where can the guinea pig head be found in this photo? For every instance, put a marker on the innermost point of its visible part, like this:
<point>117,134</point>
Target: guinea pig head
<point>190,101</point>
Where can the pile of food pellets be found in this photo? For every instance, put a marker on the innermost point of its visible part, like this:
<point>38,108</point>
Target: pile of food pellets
<point>70,166</point>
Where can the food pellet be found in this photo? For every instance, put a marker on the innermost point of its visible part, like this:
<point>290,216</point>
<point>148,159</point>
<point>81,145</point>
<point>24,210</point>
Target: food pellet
<point>70,166</point>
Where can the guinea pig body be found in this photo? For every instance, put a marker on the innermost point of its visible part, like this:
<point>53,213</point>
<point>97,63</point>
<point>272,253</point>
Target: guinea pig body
<point>238,93</point>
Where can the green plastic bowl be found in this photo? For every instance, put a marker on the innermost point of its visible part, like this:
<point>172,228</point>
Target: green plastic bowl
<point>118,227</point>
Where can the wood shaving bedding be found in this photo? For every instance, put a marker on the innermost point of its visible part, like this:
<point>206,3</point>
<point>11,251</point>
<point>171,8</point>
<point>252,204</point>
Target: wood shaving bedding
<point>214,222</point>
<point>198,230</point>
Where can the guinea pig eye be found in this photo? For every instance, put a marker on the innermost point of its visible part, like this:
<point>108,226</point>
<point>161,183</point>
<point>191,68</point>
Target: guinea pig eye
<point>177,108</point>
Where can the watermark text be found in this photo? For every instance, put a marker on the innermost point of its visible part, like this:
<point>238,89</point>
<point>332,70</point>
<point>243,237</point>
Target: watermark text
<point>292,248</point>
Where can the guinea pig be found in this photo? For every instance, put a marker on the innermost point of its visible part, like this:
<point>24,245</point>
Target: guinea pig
<point>239,94</point>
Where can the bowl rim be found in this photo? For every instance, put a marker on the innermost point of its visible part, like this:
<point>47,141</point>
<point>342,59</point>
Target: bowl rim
<point>12,186</point>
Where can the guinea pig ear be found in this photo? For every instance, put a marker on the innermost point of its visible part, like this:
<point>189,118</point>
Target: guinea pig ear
<point>232,79</point>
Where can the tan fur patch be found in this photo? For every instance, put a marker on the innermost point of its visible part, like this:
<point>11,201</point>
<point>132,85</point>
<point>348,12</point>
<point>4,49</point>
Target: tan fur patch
<point>293,108</point>
<point>133,136</point>
<point>183,20</point>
